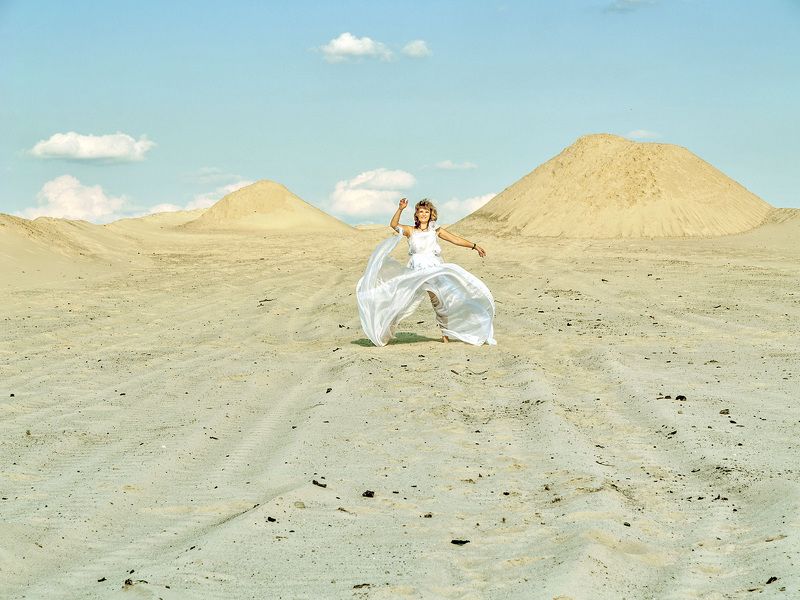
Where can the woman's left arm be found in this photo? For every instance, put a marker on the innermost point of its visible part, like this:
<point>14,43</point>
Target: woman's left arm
<point>459,241</point>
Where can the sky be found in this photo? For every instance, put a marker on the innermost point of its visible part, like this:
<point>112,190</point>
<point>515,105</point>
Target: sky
<point>119,109</point>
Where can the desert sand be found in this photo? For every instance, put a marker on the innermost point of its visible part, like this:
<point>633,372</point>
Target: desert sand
<point>196,414</point>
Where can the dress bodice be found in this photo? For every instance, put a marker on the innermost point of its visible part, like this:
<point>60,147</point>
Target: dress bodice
<point>424,242</point>
<point>423,247</point>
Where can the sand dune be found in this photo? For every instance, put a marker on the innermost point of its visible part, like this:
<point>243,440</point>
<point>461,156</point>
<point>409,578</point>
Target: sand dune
<point>264,205</point>
<point>46,250</point>
<point>161,220</point>
<point>605,186</point>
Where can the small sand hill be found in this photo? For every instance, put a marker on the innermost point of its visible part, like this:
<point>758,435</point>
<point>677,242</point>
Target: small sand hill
<point>265,205</point>
<point>605,186</point>
<point>70,238</point>
<point>780,230</point>
<point>46,251</point>
<point>156,222</point>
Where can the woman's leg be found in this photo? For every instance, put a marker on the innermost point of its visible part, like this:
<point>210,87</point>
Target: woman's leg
<point>441,320</point>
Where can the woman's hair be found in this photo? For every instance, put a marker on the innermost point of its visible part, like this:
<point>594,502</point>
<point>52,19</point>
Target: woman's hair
<point>425,203</point>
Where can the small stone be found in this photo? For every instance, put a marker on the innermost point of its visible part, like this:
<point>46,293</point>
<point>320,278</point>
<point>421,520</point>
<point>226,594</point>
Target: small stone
<point>459,542</point>
<point>368,494</point>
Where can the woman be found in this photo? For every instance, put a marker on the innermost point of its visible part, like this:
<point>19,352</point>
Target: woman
<point>389,292</point>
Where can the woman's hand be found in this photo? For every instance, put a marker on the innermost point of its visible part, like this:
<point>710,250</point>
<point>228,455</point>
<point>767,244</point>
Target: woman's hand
<point>481,251</point>
<point>403,203</point>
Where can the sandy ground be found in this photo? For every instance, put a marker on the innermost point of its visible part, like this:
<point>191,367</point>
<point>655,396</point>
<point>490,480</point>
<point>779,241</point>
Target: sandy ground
<point>164,417</point>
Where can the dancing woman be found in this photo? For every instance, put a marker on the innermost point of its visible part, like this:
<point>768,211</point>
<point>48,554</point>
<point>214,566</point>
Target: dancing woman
<point>388,292</point>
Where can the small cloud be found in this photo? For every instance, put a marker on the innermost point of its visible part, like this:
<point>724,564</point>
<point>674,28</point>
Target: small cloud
<point>371,193</point>
<point>626,6</point>
<point>117,147</point>
<point>209,198</point>
<point>209,175</point>
<point>67,198</point>
<point>455,209</point>
<point>642,134</point>
<point>348,46</point>
<point>449,165</point>
<point>417,49</point>
<point>161,208</point>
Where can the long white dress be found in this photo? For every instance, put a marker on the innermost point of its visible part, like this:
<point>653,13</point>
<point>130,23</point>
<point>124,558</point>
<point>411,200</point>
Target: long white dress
<point>388,292</point>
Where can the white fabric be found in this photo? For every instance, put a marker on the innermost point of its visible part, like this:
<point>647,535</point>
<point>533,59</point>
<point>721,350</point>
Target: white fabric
<point>387,293</point>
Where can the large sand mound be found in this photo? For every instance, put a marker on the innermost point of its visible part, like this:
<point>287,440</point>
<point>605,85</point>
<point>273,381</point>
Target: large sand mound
<point>604,186</point>
<point>265,205</point>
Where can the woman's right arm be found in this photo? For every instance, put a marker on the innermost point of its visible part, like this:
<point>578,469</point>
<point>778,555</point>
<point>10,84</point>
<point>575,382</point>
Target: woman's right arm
<point>396,218</point>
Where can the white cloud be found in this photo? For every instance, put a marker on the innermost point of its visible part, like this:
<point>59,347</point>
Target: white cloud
<point>67,198</point>
<point>624,6</point>
<point>643,134</point>
<point>160,208</point>
<point>74,146</point>
<point>449,165</point>
<point>455,209</point>
<point>371,193</point>
<point>209,198</point>
<point>209,175</point>
<point>417,49</point>
<point>348,46</point>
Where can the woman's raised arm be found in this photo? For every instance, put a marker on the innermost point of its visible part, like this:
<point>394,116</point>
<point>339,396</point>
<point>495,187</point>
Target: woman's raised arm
<point>396,218</point>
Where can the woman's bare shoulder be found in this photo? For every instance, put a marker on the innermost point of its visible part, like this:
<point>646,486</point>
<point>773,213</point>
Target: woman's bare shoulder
<point>406,229</point>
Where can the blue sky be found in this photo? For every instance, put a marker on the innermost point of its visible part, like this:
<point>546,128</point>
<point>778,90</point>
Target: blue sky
<point>196,98</point>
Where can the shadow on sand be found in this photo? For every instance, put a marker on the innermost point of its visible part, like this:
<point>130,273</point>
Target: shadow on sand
<point>400,338</point>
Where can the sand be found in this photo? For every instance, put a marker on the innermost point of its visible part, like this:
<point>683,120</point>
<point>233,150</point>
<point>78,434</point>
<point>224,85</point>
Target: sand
<point>605,186</point>
<point>168,399</point>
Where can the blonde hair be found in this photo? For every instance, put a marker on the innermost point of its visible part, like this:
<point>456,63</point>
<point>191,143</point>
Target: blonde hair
<point>425,203</point>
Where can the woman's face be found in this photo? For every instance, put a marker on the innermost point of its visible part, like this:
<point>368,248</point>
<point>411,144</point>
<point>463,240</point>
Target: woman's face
<point>423,214</point>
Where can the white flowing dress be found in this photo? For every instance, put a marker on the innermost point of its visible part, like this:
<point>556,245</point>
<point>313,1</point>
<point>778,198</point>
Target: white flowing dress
<point>388,292</point>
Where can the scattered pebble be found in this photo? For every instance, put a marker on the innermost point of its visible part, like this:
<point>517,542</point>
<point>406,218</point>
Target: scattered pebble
<point>322,485</point>
<point>368,494</point>
<point>459,542</point>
